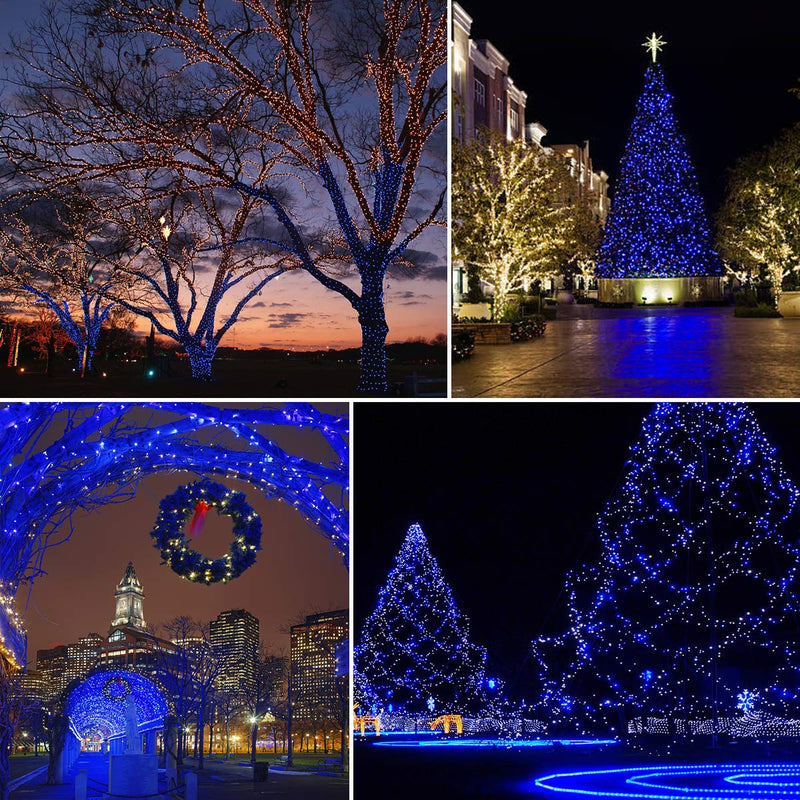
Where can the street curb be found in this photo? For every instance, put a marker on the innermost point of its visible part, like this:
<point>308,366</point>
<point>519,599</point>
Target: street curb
<point>26,777</point>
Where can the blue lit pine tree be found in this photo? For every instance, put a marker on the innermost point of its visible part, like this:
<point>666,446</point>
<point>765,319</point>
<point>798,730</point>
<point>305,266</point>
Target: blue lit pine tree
<point>657,226</point>
<point>693,594</point>
<point>415,656</point>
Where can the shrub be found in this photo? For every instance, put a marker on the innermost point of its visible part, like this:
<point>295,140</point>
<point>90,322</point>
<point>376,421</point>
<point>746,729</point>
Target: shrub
<point>463,345</point>
<point>528,328</point>
<point>761,310</point>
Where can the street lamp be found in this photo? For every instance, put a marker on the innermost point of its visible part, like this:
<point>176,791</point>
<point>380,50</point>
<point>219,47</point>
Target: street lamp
<point>253,722</point>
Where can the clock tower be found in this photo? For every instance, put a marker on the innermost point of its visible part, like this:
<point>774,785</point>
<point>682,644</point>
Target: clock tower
<point>129,597</point>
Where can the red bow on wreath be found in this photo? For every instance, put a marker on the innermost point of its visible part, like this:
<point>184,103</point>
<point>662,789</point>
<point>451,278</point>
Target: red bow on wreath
<point>198,520</point>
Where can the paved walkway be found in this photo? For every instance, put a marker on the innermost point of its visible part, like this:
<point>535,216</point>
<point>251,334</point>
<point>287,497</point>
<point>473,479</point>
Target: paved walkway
<point>216,782</point>
<point>589,352</point>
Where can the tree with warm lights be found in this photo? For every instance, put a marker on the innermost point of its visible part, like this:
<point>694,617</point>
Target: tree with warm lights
<point>339,103</point>
<point>62,458</point>
<point>515,221</point>
<point>758,226</point>
<point>414,655</point>
<point>61,255</point>
<point>693,594</point>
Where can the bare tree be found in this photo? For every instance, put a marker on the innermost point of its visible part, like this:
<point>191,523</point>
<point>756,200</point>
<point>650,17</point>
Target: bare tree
<point>189,670</point>
<point>342,102</point>
<point>62,254</point>
<point>260,694</point>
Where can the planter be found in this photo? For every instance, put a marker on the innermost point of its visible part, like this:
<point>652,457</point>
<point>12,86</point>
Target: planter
<point>789,304</point>
<point>486,332</point>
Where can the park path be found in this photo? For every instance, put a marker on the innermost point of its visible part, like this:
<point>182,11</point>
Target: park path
<point>588,352</point>
<point>218,781</point>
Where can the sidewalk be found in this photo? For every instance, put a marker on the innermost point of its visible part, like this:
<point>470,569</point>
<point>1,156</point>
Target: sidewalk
<point>216,782</point>
<point>588,352</point>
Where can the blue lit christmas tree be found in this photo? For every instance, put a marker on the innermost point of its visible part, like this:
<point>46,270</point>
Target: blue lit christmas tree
<point>693,595</point>
<point>657,226</point>
<point>415,656</point>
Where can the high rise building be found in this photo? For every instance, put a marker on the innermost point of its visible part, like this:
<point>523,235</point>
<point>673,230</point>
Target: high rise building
<point>82,655</point>
<point>52,667</point>
<point>313,659</point>
<point>234,637</point>
<point>33,687</point>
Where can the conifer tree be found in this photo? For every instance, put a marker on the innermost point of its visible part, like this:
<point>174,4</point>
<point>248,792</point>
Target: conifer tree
<point>693,596</point>
<point>415,655</point>
<point>657,226</point>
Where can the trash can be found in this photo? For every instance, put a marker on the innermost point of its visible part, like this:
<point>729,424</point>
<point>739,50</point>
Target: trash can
<point>260,771</point>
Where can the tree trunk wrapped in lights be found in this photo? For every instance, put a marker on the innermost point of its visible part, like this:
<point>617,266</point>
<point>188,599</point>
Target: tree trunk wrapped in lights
<point>693,595</point>
<point>414,655</point>
<point>341,103</point>
<point>59,252</point>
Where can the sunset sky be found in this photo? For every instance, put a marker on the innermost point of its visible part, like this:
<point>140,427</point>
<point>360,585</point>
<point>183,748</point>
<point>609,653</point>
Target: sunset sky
<point>295,311</point>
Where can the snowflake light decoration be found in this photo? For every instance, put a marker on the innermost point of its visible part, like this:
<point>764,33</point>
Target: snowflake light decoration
<point>747,700</point>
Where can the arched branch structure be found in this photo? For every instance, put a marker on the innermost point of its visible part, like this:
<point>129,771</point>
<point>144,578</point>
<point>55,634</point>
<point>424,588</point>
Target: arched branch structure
<point>57,458</point>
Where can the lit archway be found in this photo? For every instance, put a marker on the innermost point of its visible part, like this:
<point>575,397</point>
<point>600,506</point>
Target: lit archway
<point>96,706</point>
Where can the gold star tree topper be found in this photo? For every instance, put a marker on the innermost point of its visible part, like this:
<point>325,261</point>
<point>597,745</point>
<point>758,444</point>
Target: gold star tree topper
<point>654,44</point>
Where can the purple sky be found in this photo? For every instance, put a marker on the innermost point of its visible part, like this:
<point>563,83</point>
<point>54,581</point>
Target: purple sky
<point>297,572</point>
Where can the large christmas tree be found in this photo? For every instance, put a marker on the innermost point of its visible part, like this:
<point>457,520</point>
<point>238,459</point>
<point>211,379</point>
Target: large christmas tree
<point>692,601</point>
<point>415,656</point>
<point>657,225</point>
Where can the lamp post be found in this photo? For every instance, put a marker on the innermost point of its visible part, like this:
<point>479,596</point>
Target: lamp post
<point>253,733</point>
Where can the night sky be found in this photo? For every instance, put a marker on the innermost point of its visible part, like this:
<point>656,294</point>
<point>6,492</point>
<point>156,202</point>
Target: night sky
<point>297,572</point>
<point>507,495</point>
<point>582,64</point>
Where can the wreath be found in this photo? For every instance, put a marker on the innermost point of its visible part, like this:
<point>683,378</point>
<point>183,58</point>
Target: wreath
<point>116,689</point>
<point>196,499</point>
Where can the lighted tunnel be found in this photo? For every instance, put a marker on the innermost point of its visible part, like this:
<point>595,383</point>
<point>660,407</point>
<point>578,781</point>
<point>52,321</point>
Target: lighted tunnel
<point>97,705</point>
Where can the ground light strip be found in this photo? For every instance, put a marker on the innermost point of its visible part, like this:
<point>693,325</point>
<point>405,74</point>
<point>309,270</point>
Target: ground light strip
<point>752,777</point>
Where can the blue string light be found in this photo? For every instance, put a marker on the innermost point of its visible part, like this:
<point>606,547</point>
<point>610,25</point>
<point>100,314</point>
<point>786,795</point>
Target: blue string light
<point>657,225</point>
<point>93,709</point>
<point>695,585</point>
<point>659,782</point>
<point>415,651</point>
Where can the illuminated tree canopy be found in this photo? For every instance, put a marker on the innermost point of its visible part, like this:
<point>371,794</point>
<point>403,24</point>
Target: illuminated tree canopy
<point>759,222</point>
<point>695,591</point>
<point>518,218</point>
<point>415,655</point>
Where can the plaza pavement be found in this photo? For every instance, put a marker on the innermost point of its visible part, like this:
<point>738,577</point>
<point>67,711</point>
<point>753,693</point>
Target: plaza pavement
<point>217,782</point>
<point>595,352</point>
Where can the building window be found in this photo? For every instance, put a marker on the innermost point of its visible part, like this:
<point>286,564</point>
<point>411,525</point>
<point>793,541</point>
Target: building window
<point>514,122</point>
<point>480,93</point>
<point>498,107</point>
